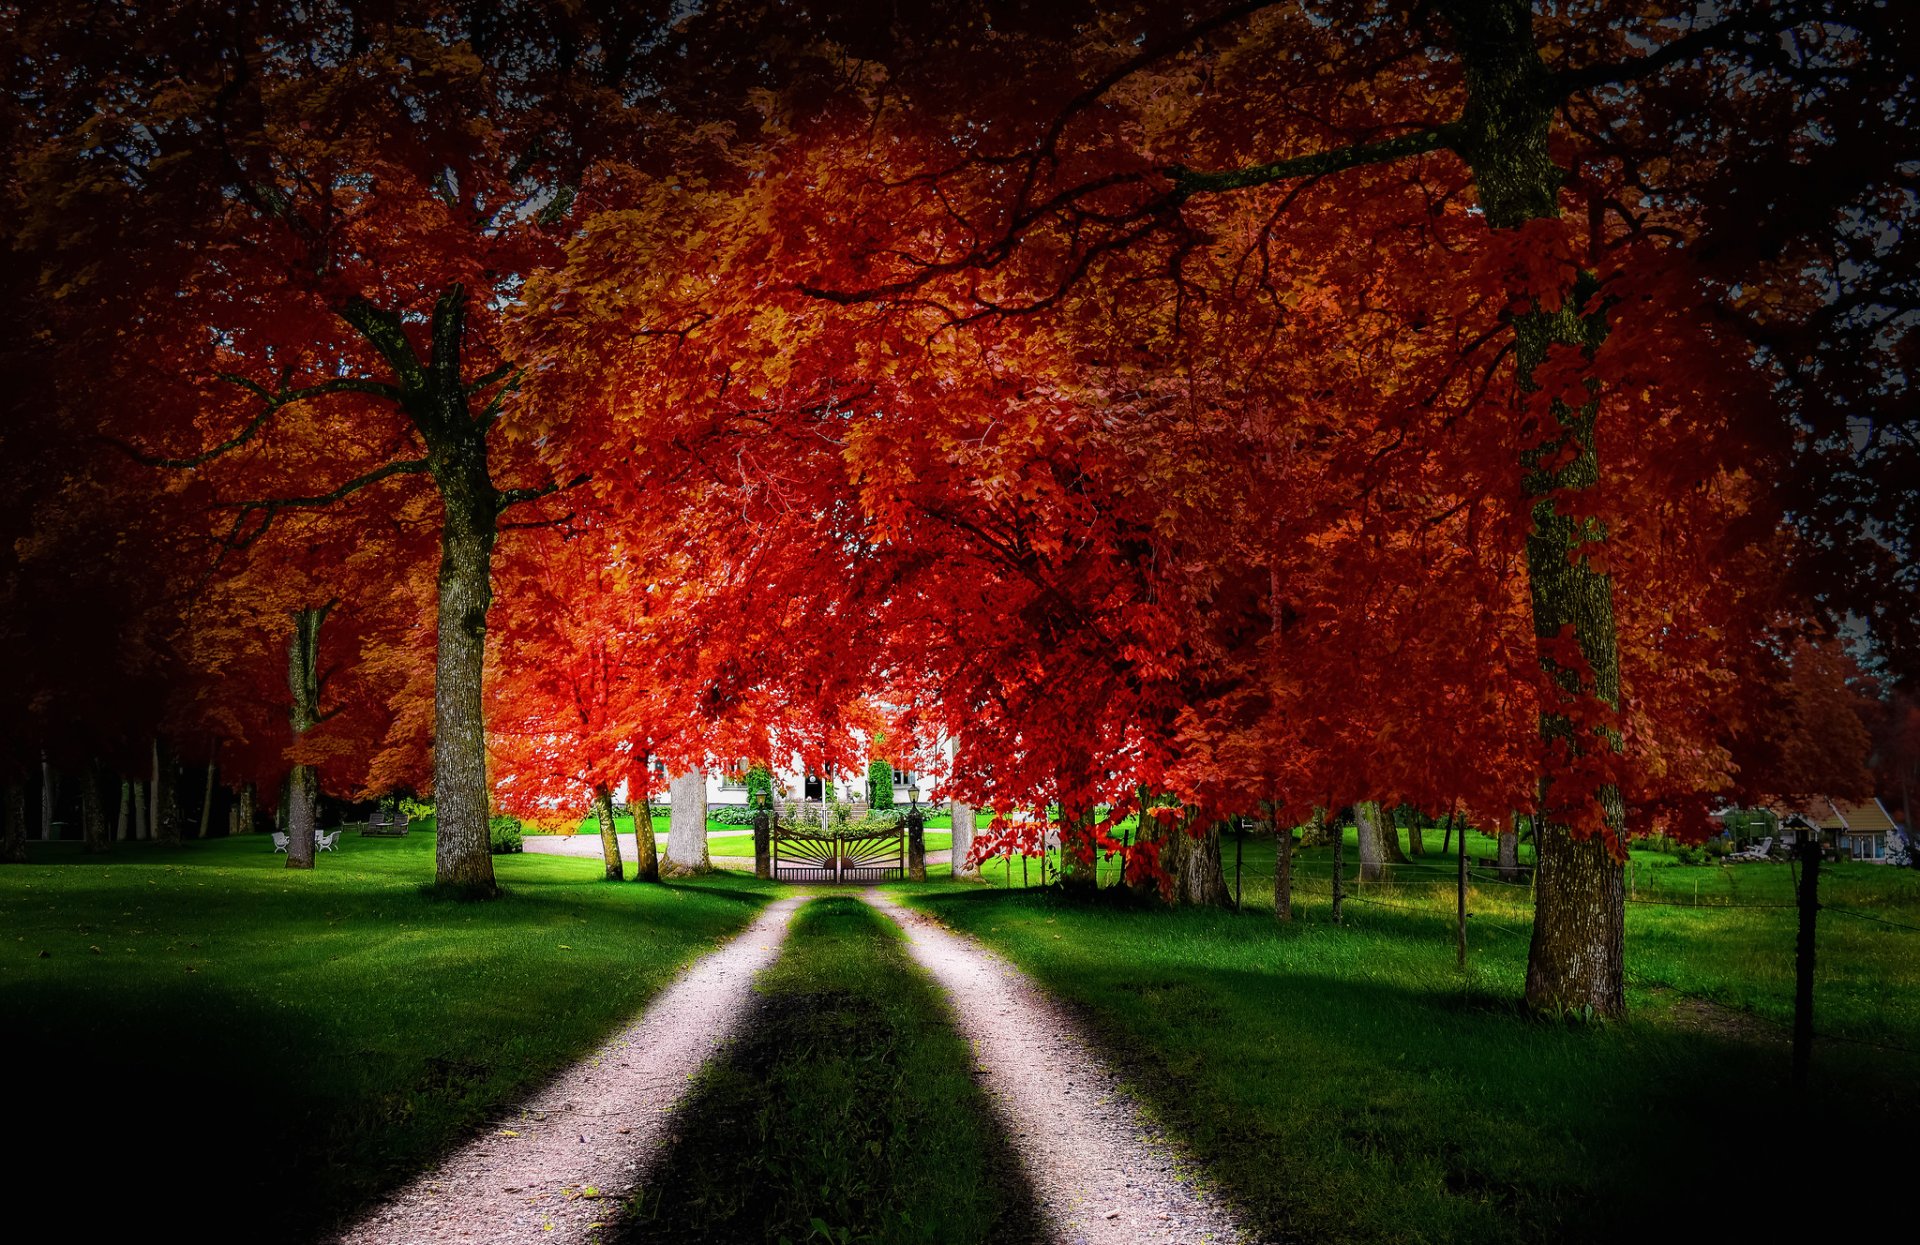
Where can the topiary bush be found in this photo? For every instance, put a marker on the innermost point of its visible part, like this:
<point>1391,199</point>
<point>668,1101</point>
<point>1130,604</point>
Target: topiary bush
<point>504,835</point>
<point>879,784</point>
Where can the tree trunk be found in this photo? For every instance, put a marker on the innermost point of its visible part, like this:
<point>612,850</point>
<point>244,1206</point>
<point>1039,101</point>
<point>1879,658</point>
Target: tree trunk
<point>609,833</point>
<point>1199,878</point>
<point>1390,849</point>
<point>463,852</point>
<point>1509,856</point>
<point>687,826</point>
<point>206,800</point>
<point>1366,823</point>
<point>1282,866</point>
<point>166,796</point>
<point>962,817</point>
<point>46,799</point>
<point>1416,842</point>
<point>646,854</point>
<point>93,809</point>
<point>13,822</point>
<point>246,813</point>
<point>1575,962</point>
<point>126,810</point>
<point>142,824</point>
<point>303,680</point>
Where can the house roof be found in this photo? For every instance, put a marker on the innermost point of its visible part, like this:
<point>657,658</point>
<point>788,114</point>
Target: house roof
<point>1849,816</point>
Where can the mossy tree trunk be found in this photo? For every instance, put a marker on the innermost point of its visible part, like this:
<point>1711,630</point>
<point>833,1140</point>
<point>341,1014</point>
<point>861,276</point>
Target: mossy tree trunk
<point>609,833</point>
<point>1576,960</point>
<point>303,783</point>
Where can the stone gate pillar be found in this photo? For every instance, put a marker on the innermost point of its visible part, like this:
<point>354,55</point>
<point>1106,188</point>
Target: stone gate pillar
<point>916,845</point>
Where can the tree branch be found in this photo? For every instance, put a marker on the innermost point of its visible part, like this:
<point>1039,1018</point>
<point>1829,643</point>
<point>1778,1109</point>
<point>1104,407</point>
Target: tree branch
<point>1690,46</point>
<point>272,402</point>
<point>1189,182</point>
<point>515,496</point>
<point>238,537</point>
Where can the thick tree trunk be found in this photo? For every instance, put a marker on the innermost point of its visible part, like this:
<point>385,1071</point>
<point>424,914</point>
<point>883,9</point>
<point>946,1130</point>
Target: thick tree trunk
<point>303,801</point>
<point>1416,842</point>
<point>93,809</point>
<point>142,824</point>
<point>1576,961</point>
<point>247,811</point>
<point>463,853</point>
<point>13,822</point>
<point>609,833</point>
<point>1199,878</point>
<point>1367,819</point>
<point>687,826</point>
<point>962,817</point>
<point>1509,856</point>
<point>126,810</point>
<point>166,795</point>
<point>646,855</point>
<point>206,800</point>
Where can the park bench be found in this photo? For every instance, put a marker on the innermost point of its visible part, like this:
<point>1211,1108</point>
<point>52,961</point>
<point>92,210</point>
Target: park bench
<point>385,824</point>
<point>1763,852</point>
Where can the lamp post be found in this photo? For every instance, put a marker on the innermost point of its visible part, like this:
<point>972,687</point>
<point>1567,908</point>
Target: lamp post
<point>916,838</point>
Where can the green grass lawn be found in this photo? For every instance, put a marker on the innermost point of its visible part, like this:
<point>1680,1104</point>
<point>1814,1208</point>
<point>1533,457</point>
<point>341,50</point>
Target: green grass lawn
<point>844,1113</point>
<point>1346,1083</point>
<point>206,1042</point>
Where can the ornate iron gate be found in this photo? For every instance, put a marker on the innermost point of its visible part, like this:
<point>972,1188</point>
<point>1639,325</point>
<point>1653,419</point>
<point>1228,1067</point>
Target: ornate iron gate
<point>811,854</point>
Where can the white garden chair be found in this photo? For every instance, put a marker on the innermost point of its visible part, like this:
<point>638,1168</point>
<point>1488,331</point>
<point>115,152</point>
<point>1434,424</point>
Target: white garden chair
<point>280,841</point>
<point>325,842</point>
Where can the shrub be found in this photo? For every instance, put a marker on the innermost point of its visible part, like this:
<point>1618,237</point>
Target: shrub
<point>416,810</point>
<point>1686,854</point>
<point>879,784</point>
<point>504,833</point>
<point>759,787</point>
<point>731,814</point>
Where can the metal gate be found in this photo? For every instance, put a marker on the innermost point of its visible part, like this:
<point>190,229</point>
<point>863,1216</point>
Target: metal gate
<point>811,854</point>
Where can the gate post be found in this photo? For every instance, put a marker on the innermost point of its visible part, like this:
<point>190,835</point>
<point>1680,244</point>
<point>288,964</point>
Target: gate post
<point>762,844</point>
<point>916,845</point>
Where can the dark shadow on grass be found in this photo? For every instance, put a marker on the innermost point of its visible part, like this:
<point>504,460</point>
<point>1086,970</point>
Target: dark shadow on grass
<point>1358,1089</point>
<point>844,1112</point>
<point>236,1053</point>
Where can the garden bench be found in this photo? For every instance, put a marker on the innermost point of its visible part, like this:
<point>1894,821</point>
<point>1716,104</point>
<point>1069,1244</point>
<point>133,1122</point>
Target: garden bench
<point>326,842</point>
<point>385,824</point>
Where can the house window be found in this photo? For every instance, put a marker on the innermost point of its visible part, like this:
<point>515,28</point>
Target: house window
<point>734,778</point>
<point>904,779</point>
<point>1879,847</point>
